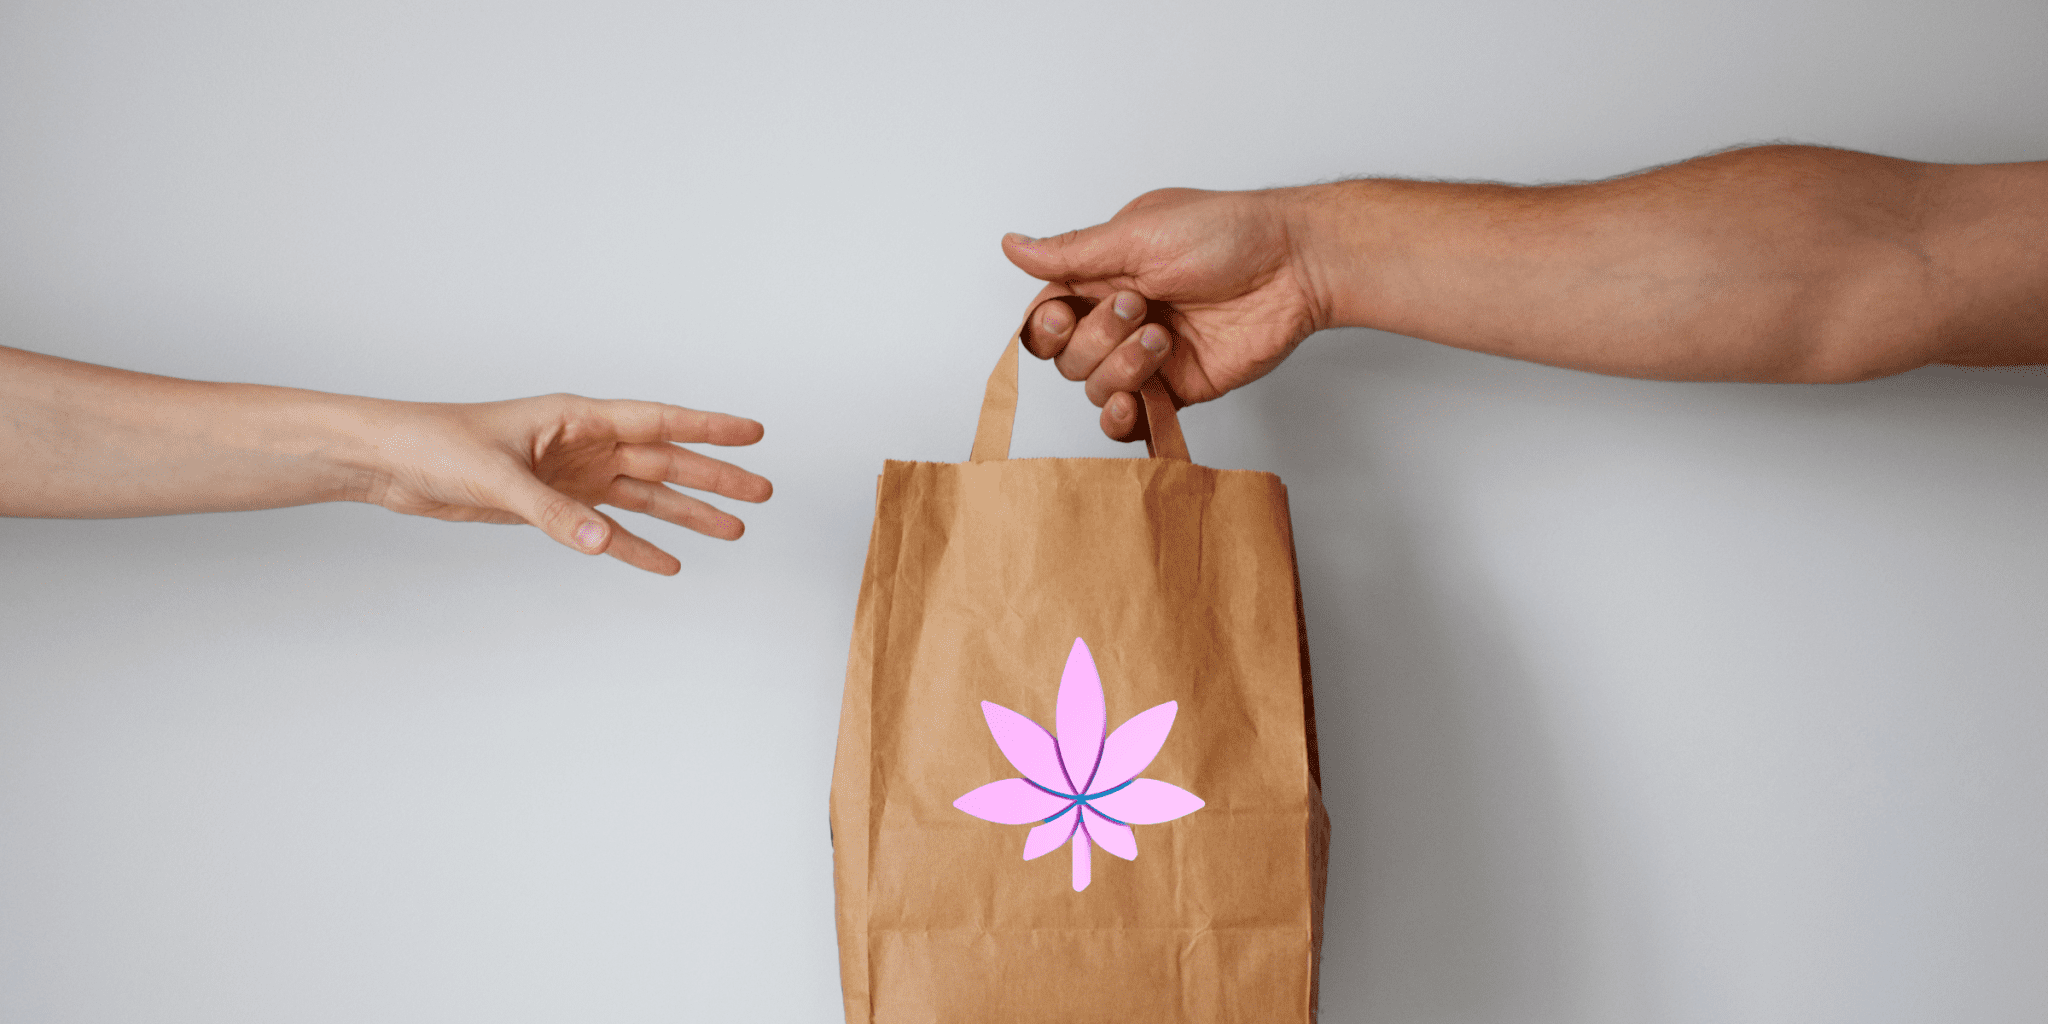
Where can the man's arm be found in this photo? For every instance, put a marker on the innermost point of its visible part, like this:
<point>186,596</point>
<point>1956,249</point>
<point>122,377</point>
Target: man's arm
<point>85,441</point>
<point>1778,263</point>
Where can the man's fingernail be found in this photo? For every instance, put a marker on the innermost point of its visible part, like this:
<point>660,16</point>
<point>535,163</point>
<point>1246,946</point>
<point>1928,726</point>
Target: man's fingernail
<point>1016,237</point>
<point>1153,337</point>
<point>1123,407</point>
<point>1129,306</point>
<point>1053,323</point>
<point>589,534</point>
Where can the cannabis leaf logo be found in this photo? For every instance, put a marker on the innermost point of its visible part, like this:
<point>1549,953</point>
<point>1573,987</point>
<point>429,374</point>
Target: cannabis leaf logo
<point>1080,786</point>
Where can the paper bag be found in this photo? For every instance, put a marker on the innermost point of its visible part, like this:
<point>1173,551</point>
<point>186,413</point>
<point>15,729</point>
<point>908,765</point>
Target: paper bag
<point>1076,777</point>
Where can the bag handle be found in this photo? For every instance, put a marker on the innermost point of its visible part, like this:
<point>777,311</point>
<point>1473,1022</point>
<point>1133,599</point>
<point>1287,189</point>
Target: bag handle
<point>999,412</point>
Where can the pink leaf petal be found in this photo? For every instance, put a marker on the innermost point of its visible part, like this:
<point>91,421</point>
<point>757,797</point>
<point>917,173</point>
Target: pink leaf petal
<point>1079,716</point>
<point>1029,747</point>
<point>1133,746</point>
<point>1117,839</point>
<point>1011,802</point>
<point>1147,802</point>
<point>1081,874</point>
<point>1047,837</point>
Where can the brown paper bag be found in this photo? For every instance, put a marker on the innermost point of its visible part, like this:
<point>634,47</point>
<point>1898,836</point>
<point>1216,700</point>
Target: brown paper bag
<point>1028,632</point>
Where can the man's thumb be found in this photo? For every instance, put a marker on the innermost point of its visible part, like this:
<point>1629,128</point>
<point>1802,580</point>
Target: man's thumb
<point>1084,255</point>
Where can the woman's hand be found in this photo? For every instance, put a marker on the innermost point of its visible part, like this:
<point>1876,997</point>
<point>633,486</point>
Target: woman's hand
<point>93,442</point>
<point>549,461</point>
<point>1210,289</point>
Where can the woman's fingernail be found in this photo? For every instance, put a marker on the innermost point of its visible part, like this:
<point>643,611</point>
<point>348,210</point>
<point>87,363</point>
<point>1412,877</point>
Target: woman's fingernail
<point>1153,337</point>
<point>588,535</point>
<point>1129,306</point>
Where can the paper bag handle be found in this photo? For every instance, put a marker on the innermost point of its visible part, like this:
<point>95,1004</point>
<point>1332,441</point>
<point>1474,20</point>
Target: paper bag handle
<point>999,413</point>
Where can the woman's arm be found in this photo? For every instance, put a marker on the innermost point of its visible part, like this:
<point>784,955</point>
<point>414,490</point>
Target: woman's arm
<point>85,441</point>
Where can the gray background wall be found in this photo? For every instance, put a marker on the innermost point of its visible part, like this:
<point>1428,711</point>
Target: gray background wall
<point>1641,702</point>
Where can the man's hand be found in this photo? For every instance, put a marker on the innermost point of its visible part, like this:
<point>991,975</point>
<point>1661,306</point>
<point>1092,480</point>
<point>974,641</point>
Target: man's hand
<point>1208,288</point>
<point>1776,263</point>
<point>548,461</point>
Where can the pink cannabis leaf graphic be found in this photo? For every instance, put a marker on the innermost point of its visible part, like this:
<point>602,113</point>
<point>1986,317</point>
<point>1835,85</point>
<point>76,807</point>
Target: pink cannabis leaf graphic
<point>1080,786</point>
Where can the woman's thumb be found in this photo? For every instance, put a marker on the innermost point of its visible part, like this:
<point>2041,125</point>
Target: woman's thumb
<point>567,520</point>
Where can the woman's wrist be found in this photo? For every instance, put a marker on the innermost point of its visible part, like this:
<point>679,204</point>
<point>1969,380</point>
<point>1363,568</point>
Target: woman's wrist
<point>354,443</point>
<point>90,441</point>
<point>293,447</point>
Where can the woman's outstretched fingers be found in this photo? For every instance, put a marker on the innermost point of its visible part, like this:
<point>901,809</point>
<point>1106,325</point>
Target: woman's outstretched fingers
<point>638,422</point>
<point>695,470</point>
<point>723,429</point>
<point>662,503</point>
<point>634,550</point>
<point>718,428</point>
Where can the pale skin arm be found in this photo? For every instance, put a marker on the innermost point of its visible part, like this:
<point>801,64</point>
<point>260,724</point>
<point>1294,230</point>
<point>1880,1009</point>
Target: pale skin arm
<point>1777,263</point>
<point>85,441</point>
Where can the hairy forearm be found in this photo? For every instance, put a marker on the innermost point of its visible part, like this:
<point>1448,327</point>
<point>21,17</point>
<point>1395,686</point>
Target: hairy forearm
<point>1778,263</point>
<point>85,441</point>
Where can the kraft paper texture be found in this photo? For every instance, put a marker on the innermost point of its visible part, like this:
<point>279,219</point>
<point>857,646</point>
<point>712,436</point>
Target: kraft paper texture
<point>1181,581</point>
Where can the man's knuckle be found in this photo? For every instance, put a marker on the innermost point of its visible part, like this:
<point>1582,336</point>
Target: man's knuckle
<point>1155,197</point>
